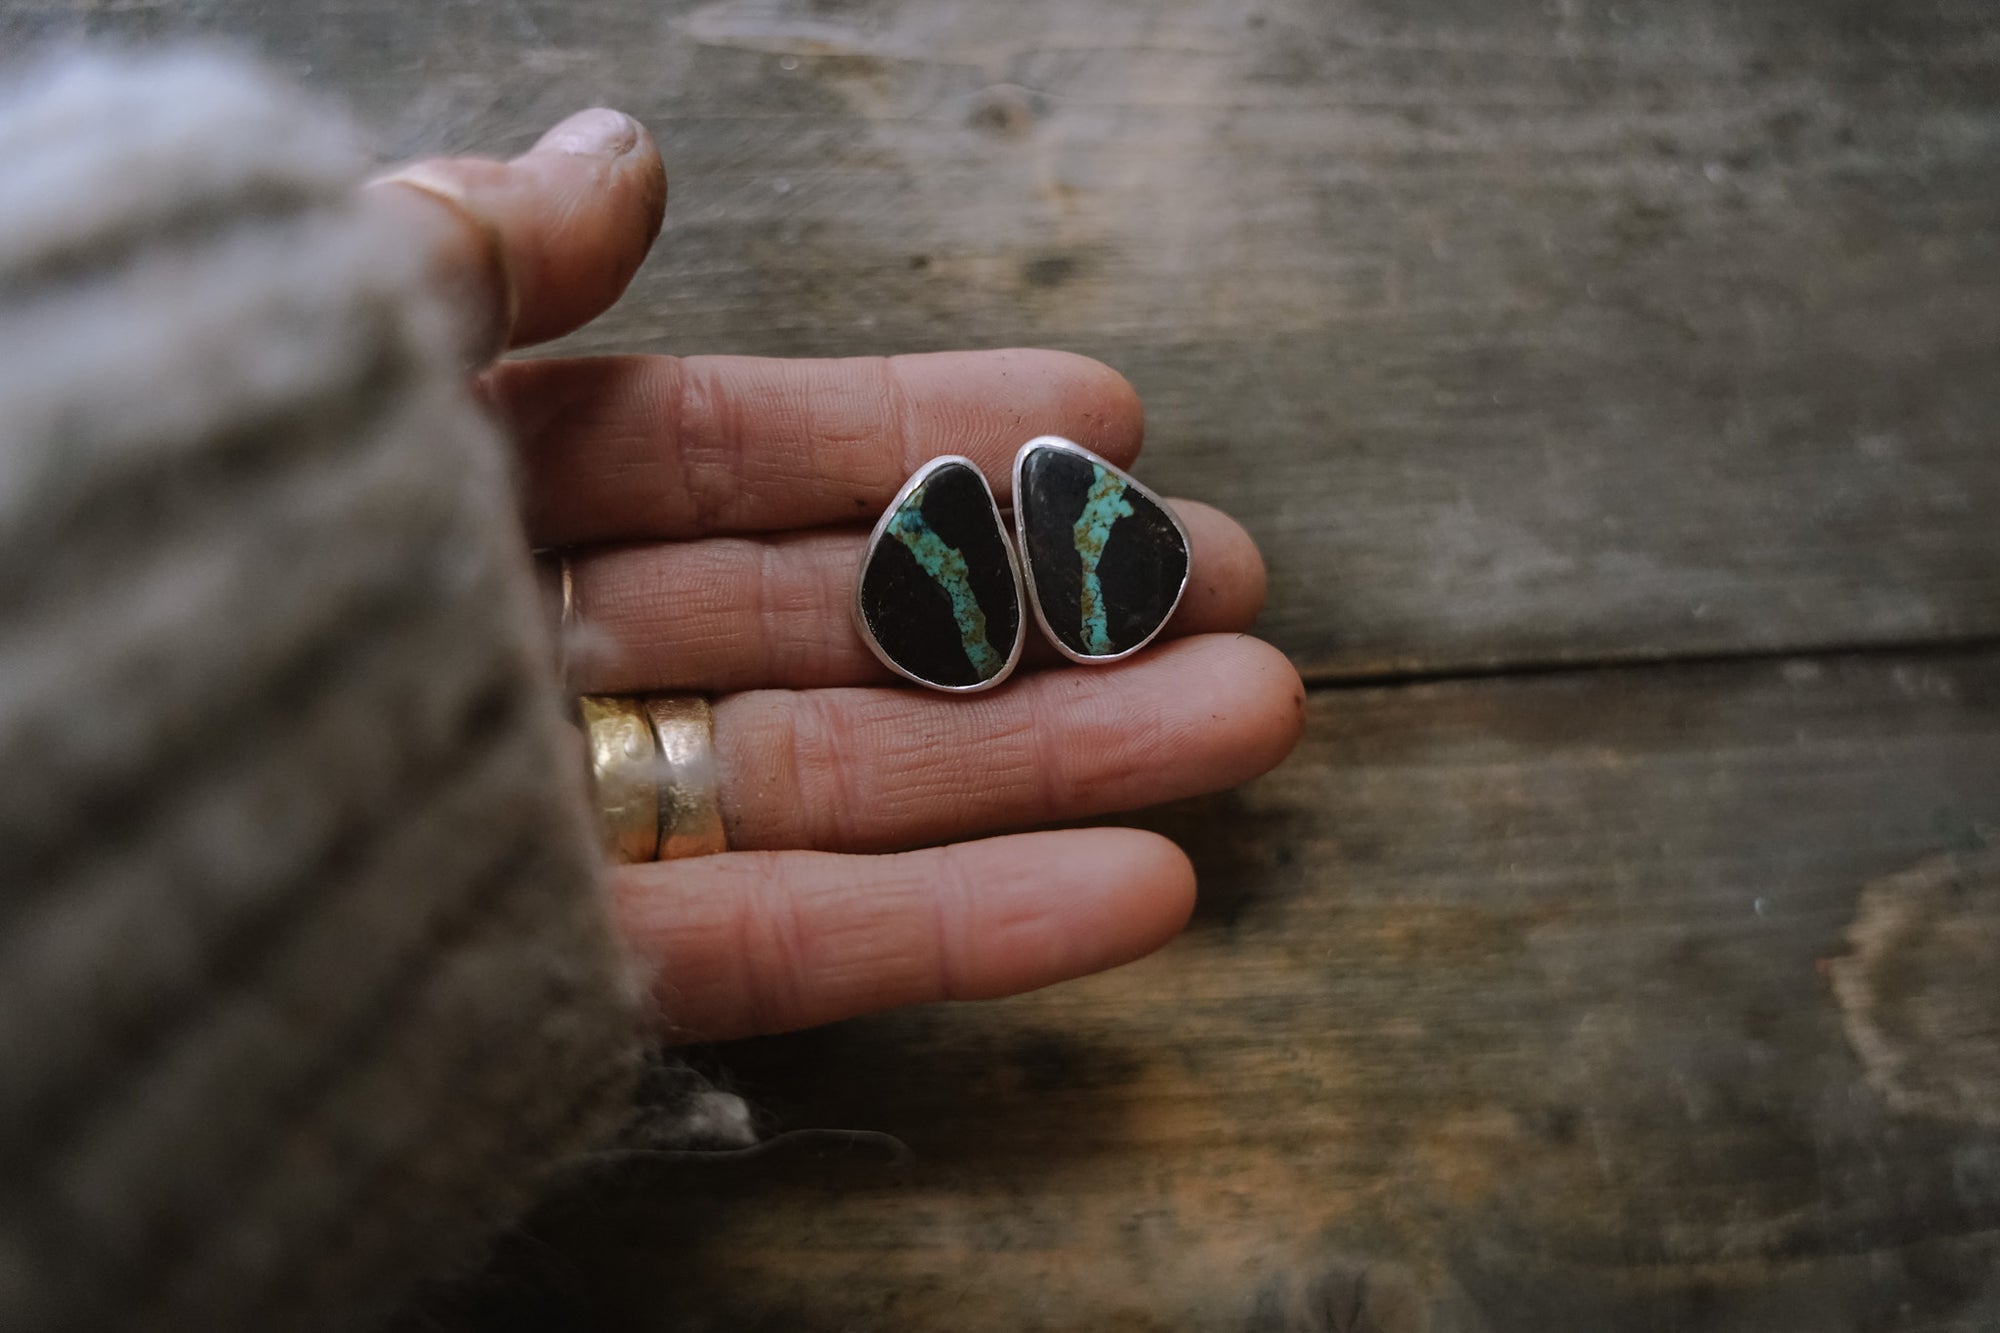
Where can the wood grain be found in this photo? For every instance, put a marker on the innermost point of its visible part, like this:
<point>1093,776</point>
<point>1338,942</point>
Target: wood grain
<point>1507,1008</point>
<point>1518,330</point>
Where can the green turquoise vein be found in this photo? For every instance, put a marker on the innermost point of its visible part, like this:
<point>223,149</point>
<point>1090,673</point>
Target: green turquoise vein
<point>946,564</point>
<point>1102,507</point>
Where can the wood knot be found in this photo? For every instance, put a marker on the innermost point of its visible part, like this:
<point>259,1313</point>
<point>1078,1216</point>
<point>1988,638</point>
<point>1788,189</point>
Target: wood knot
<point>1916,987</point>
<point>1003,111</point>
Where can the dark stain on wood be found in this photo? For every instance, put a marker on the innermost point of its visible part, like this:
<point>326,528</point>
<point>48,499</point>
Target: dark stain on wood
<point>1050,270</point>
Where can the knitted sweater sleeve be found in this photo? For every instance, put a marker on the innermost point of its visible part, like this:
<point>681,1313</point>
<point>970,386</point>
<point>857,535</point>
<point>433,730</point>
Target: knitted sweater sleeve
<point>304,968</point>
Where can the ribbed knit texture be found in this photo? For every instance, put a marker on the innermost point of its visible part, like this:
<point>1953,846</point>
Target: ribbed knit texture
<point>304,970</point>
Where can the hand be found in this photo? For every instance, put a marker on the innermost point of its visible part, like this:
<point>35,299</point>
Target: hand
<point>715,509</point>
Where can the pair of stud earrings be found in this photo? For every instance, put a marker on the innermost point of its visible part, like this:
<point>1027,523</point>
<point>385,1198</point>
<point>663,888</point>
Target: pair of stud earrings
<point>940,593</point>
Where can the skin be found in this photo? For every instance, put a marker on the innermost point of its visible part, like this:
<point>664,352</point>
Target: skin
<point>714,510</point>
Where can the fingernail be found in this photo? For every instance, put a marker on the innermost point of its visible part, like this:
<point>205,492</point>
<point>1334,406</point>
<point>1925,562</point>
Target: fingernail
<point>598,132</point>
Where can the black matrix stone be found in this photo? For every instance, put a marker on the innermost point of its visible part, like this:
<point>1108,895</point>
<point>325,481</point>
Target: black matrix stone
<point>1106,562</point>
<point>937,588</point>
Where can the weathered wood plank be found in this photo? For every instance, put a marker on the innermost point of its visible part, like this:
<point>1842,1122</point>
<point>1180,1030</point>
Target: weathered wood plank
<point>1518,331</point>
<point>1507,1008</point>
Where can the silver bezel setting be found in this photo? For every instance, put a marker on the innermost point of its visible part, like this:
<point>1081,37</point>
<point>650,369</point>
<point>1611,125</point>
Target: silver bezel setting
<point>917,479</point>
<point>1025,575</point>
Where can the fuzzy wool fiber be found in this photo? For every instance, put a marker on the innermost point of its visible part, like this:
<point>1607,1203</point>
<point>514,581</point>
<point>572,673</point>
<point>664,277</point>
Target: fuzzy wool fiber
<point>306,977</point>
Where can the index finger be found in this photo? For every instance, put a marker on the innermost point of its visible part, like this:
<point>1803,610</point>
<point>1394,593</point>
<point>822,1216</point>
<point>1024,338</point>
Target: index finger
<point>653,447</point>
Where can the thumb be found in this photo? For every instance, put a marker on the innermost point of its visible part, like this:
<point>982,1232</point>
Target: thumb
<point>545,243</point>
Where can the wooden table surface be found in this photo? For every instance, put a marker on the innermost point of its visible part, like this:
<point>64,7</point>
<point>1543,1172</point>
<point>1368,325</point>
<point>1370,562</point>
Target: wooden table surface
<point>1614,388</point>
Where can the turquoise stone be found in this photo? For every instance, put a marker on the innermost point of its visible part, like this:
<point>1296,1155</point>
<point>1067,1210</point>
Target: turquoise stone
<point>939,598</point>
<point>1106,559</point>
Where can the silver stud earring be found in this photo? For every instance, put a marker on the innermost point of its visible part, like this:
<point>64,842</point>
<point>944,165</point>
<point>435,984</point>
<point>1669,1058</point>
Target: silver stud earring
<point>938,598</point>
<point>1106,559</point>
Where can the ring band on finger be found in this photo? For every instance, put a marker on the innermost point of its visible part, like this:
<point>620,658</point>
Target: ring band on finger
<point>652,758</point>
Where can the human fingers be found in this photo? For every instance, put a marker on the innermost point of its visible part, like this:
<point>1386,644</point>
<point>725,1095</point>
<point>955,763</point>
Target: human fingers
<point>737,613</point>
<point>756,942</point>
<point>878,769</point>
<point>653,447</point>
<point>539,245</point>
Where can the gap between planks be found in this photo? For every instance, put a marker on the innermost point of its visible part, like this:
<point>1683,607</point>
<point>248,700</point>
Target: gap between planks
<point>1336,679</point>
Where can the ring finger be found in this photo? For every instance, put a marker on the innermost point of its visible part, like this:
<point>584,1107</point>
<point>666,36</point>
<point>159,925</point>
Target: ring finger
<point>879,769</point>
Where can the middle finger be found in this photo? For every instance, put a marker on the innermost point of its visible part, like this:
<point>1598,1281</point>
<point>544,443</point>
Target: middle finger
<point>736,613</point>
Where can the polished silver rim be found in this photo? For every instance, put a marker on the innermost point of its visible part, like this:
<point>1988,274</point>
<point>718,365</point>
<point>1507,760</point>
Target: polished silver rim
<point>1021,548</point>
<point>917,479</point>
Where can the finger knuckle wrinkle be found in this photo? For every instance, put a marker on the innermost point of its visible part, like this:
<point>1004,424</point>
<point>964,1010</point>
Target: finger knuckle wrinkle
<point>774,948</point>
<point>819,767</point>
<point>952,904</point>
<point>1052,744</point>
<point>706,445</point>
<point>898,427</point>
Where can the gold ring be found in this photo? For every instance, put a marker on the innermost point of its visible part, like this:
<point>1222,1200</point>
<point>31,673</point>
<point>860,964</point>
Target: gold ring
<point>653,759</point>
